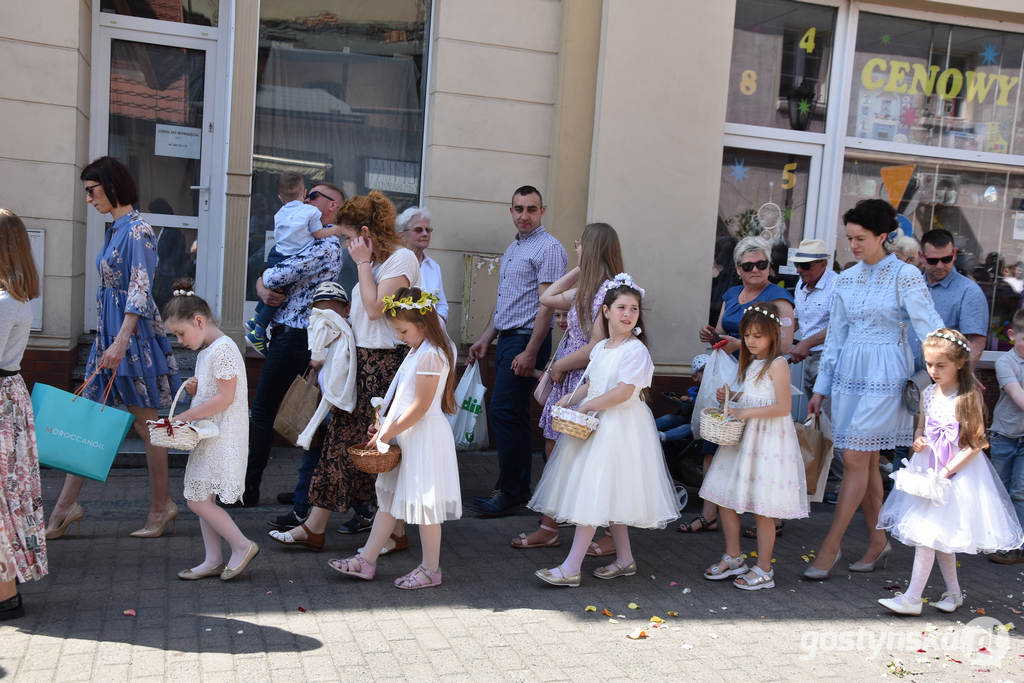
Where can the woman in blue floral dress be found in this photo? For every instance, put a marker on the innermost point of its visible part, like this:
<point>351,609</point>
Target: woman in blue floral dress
<point>130,339</point>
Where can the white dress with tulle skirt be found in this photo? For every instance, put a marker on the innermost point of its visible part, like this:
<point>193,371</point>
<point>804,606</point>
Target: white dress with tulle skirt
<point>424,488</point>
<point>764,473</point>
<point>977,516</point>
<point>618,475</point>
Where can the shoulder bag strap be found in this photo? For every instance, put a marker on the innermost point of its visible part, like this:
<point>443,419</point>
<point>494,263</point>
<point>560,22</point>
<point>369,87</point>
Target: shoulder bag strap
<point>908,355</point>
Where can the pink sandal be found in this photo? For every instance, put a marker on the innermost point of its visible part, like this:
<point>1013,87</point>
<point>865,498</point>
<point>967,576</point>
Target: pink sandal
<point>421,577</point>
<point>355,566</point>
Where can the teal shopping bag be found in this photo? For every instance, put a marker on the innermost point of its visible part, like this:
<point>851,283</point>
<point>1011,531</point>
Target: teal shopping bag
<point>77,435</point>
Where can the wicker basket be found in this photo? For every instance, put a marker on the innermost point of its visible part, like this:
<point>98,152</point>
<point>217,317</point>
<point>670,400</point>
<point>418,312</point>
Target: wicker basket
<point>167,433</point>
<point>718,427</point>
<point>372,461</point>
<point>573,423</point>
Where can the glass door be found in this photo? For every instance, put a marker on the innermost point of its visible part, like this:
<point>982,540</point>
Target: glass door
<point>154,112</point>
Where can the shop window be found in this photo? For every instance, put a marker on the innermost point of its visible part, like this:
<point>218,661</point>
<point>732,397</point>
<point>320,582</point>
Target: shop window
<point>982,206</point>
<point>339,99</point>
<point>781,55</point>
<point>201,12</point>
<point>934,84</point>
<point>764,194</point>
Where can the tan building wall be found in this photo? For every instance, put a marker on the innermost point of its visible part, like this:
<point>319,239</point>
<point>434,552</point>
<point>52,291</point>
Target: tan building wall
<point>45,48</point>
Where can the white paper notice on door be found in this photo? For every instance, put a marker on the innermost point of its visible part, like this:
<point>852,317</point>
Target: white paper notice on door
<point>1018,225</point>
<point>178,141</point>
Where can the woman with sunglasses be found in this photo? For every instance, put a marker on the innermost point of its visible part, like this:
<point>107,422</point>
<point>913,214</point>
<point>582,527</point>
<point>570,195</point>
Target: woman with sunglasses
<point>864,368</point>
<point>753,264</point>
<point>414,226</point>
<point>130,345</point>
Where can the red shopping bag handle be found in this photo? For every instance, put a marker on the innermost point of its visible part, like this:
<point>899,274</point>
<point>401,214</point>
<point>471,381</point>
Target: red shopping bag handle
<point>106,393</point>
<point>719,344</point>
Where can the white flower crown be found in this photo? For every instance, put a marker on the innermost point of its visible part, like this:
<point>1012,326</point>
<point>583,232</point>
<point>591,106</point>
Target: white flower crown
<point>951,338</point>
<point>765,312</point>
<point>183,292</point>
<point>625,279</point>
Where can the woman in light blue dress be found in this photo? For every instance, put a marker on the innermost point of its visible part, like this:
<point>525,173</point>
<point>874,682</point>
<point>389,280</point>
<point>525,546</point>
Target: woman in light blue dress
<point>130,340</point>
<point>864,368</point>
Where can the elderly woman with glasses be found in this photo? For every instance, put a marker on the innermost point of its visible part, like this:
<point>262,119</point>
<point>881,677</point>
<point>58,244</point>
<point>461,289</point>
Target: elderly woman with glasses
<point>414,226</point>
<point>753,264</point>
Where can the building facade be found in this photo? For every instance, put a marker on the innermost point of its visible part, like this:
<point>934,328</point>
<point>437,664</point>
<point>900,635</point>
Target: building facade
<point>684,124</point>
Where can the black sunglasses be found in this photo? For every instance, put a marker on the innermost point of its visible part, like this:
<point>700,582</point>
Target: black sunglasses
<point>317,194</point>
<point>806,265</point>
<point>89,189</point>
<point>750,265</point>
<point>421,228</point>
<point>943,259</point>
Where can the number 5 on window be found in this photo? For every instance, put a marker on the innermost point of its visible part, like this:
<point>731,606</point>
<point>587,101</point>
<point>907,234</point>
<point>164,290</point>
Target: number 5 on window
<point>789,176</point>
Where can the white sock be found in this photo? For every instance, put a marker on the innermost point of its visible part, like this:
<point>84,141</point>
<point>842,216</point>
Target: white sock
<point>623,552</point>
<point>580,542</point>
<point>924,557</point>
<point>947,565</point>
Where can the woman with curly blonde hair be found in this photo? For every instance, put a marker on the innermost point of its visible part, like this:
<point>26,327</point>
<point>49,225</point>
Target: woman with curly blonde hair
<point>384,268</point>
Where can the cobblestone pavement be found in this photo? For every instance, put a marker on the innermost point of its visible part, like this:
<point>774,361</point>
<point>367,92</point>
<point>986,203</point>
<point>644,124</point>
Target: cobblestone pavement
<point>290,618</point>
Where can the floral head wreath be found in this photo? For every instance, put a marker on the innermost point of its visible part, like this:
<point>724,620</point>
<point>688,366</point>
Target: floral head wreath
<point>950,338</point>
<point>183,292</point>
<point>626,280</point>
<point>765,312</point>
<point>424,304</point>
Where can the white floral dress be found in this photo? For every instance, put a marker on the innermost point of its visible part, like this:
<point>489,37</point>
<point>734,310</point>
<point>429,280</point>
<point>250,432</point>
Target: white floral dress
<point>217,465</point>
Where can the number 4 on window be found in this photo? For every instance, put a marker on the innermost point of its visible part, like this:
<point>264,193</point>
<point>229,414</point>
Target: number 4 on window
<point>807,41</point>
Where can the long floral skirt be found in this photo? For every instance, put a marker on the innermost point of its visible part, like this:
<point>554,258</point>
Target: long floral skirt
<point>337,484</point>
<point>22,541</point>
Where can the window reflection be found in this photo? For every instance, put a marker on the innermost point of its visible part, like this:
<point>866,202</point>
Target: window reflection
<point>983,206</point>
<point>202,12</point>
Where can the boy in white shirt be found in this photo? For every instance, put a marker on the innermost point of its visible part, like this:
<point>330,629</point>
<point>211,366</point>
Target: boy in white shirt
<point>296,224</point>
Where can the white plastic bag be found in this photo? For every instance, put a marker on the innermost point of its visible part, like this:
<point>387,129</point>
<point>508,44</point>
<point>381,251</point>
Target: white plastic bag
<point>719,371</point>
<point>469,423</point>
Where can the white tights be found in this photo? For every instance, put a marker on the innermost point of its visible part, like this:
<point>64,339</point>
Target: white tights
<point>924,557</point>
<point>581,541</point>
<point>216,524</point>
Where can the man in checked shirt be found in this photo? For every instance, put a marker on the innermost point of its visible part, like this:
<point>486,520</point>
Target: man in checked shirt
<point>531,263</point>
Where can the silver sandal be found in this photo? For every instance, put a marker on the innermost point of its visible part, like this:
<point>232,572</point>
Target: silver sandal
<point>734,566</point>
<point>762,579</point>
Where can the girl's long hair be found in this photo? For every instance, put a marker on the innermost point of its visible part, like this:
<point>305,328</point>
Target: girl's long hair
<point>376,212</point>
<point>755,320</point>
<point>185,306</point>
<point>435,334</point>
<point>970,408</point>
<point>609,298</point>
<point>601,260</point>
<point>18,275</point>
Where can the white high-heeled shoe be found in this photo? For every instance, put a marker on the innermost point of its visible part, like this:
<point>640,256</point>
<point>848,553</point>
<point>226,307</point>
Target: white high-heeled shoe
<point>879,561</point>
<point>815,574</point>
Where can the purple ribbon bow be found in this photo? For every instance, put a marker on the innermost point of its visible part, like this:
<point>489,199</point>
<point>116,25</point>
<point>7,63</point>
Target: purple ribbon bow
<point>943,438</point>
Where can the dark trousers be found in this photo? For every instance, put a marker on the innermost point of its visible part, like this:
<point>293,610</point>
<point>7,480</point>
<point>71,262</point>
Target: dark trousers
<point>309,460</point>
<point>287,357</point>
<point>264,313</point>
<point>510,414</point>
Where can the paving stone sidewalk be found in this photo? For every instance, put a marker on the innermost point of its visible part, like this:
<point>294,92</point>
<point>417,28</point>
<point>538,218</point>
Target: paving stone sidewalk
<point>290,618</point>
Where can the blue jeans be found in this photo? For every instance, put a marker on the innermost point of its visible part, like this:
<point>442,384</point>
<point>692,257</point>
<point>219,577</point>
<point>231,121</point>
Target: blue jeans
<point>1007,456</point>
<point>287,357</point>
<point>675,427</point>
<point>264,313</point>
<point>310,458</point>
<point>510,414</point>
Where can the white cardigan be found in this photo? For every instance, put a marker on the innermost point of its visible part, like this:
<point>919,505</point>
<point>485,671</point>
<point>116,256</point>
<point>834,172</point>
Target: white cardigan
<point>331,340</point>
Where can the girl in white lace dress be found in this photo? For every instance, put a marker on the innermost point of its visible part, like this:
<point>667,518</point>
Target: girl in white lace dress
<point>424,488</point>
<point>764,474</point>
<point>216,467</point>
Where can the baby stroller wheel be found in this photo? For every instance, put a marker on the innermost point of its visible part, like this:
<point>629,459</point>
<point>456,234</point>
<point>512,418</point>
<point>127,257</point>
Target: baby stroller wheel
<point>683,496</point>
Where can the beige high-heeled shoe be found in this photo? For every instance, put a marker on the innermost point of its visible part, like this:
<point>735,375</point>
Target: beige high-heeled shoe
<point>75,514</point>
<point>157,528</point>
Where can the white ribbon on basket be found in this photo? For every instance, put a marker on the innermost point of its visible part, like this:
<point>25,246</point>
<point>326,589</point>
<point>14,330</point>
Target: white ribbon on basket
<point>569,414</point>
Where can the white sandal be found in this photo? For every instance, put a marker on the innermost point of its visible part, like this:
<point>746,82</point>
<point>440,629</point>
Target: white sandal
<point>762,579</point>
<point>734,565</point>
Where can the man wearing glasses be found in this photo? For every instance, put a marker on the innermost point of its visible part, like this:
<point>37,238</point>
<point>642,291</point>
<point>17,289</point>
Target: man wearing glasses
<point>958,299</point>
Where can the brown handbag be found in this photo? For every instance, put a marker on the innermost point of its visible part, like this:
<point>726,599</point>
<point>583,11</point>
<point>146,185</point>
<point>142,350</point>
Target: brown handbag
<point>297,407</point>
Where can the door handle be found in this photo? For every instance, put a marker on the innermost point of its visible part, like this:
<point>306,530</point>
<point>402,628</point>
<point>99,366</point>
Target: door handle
<point>199,187</point>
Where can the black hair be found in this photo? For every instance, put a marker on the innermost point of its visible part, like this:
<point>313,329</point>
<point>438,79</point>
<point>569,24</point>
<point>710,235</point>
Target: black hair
<point>186,306</point>
<point>874,215</point>
<point>526,190</point>
<point>938,238</point>
<point>116,179</point>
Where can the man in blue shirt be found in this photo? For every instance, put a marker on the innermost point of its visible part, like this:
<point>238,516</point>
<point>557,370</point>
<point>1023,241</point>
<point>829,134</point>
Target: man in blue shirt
<point>958,299</point>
